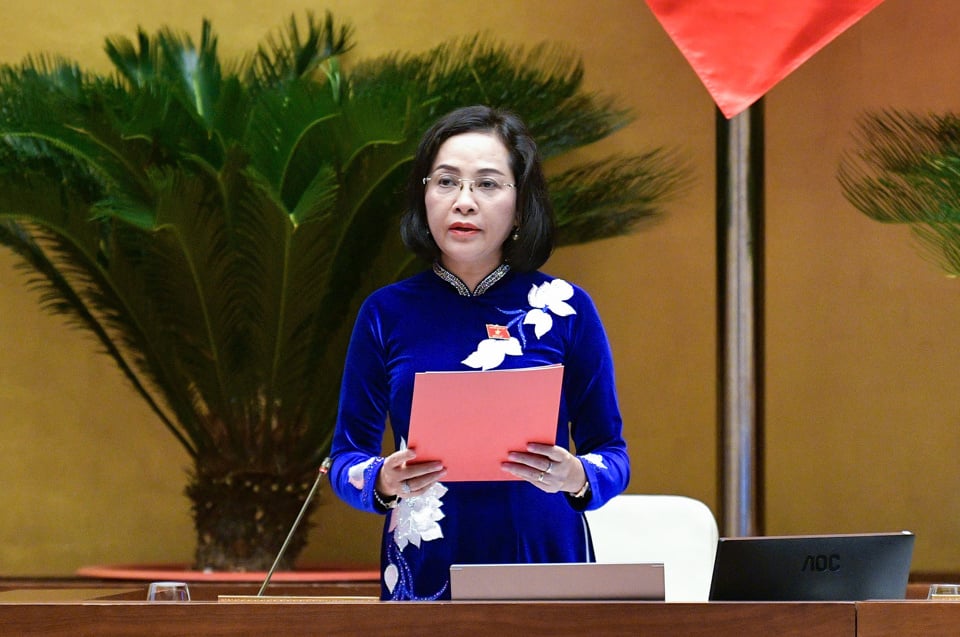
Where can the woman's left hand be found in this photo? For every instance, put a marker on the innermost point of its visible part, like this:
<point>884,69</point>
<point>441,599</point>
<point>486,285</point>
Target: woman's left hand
<point>548,467</point>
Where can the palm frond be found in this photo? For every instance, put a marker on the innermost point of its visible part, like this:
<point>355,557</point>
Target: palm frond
<point>70,286</point>
<point>543,84</point>
<point>287,56</point>
<point>137,64</point>
<point>612,196</point>
<point>907,170</point>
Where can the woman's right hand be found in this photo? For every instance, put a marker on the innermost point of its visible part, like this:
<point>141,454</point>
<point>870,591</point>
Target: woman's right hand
<point>400,476</point>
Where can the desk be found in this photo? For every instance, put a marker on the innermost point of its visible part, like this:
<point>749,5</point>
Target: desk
<point>908,618</point>
<point>108,618</point>
<point>71,606</point>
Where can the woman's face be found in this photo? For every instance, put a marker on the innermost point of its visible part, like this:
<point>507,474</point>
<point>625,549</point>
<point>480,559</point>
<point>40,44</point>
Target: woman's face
<point>470,220</point>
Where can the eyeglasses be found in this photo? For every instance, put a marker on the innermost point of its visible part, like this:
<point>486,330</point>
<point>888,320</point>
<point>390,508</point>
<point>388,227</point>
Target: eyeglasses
<point>446,185</point>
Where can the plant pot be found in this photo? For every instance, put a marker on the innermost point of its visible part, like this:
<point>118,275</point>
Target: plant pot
<point>243,518</point>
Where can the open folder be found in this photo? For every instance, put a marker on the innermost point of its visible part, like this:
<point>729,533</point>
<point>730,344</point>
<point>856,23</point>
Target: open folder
<point>471,420</point>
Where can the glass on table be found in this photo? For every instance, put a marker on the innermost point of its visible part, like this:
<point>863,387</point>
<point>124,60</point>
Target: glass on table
<point>168,592</point>
<point>944,592</point>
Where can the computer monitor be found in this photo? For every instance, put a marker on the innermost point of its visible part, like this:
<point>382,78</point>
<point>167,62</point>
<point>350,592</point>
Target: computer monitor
<point>848,567</point>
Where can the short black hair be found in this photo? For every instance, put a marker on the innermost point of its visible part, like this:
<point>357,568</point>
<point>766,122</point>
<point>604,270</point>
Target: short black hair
<point>534,244</point>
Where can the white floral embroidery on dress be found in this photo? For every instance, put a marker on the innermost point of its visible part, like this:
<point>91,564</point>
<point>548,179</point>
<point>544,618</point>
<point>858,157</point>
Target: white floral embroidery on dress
<point>546,299</point>
<point>553,296</point>
<point>595,459</point>
<point>491,352</point>
<point>355,474</point>
<point>416,519</point>
<point>391,575</point>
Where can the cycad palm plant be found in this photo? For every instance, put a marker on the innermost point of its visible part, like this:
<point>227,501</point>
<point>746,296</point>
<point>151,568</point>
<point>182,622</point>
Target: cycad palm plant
<point>216,226</point>
<point>906,169</point>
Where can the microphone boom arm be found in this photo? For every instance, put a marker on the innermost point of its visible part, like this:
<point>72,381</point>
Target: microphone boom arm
<point>324,468</point>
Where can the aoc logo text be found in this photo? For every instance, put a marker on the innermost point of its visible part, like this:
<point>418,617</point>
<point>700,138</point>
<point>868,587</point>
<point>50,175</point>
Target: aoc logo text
<point>821,563</point>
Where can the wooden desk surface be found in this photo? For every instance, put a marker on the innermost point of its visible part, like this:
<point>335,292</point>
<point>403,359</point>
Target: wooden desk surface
<point>908,618</point>
<point>107,618</point>
<point>85,589</point>
<point>83,607</point>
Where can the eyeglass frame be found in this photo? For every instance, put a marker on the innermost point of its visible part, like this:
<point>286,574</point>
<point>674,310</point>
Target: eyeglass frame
<point>460,180</point>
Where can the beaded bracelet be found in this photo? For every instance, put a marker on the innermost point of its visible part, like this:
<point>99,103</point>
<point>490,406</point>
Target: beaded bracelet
<point>391,504</point>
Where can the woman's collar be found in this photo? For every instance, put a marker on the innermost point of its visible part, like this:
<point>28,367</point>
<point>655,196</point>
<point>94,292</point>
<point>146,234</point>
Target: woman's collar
<point>485,284</point>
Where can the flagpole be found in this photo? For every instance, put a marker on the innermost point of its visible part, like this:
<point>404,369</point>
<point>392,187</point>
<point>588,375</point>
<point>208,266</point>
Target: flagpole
<point>740,313</point>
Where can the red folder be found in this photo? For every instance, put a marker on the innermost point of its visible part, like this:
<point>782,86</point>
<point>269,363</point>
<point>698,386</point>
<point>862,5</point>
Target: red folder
<point>470,420</point>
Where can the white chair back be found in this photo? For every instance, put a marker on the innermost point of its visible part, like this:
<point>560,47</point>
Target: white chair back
<point>678,531</point>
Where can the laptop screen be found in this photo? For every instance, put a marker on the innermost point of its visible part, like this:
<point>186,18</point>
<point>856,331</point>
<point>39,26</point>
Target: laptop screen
<point>812,567</point>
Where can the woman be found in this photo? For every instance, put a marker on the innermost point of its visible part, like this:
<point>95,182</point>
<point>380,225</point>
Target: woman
<point>479,212</point>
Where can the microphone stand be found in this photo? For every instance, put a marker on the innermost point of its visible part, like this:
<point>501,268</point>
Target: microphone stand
<point>324,468</point>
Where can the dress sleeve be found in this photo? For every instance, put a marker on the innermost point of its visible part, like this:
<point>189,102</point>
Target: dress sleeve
<point>595,420</point>
<point>361,416</point>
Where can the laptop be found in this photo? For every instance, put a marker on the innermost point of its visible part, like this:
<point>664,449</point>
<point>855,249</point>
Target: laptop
<point>850,567</point>
<point>575,581</point>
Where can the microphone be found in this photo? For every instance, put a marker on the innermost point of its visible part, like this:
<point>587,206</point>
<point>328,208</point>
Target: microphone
<point>324,468</point>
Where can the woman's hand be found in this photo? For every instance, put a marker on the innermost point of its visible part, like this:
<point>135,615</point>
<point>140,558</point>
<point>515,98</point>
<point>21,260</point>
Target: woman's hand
<point>547,467</point>
<point>398,478</point>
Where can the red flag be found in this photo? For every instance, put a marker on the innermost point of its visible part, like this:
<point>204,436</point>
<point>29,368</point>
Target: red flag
<point>741,48</point>
<point>498,332</point>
